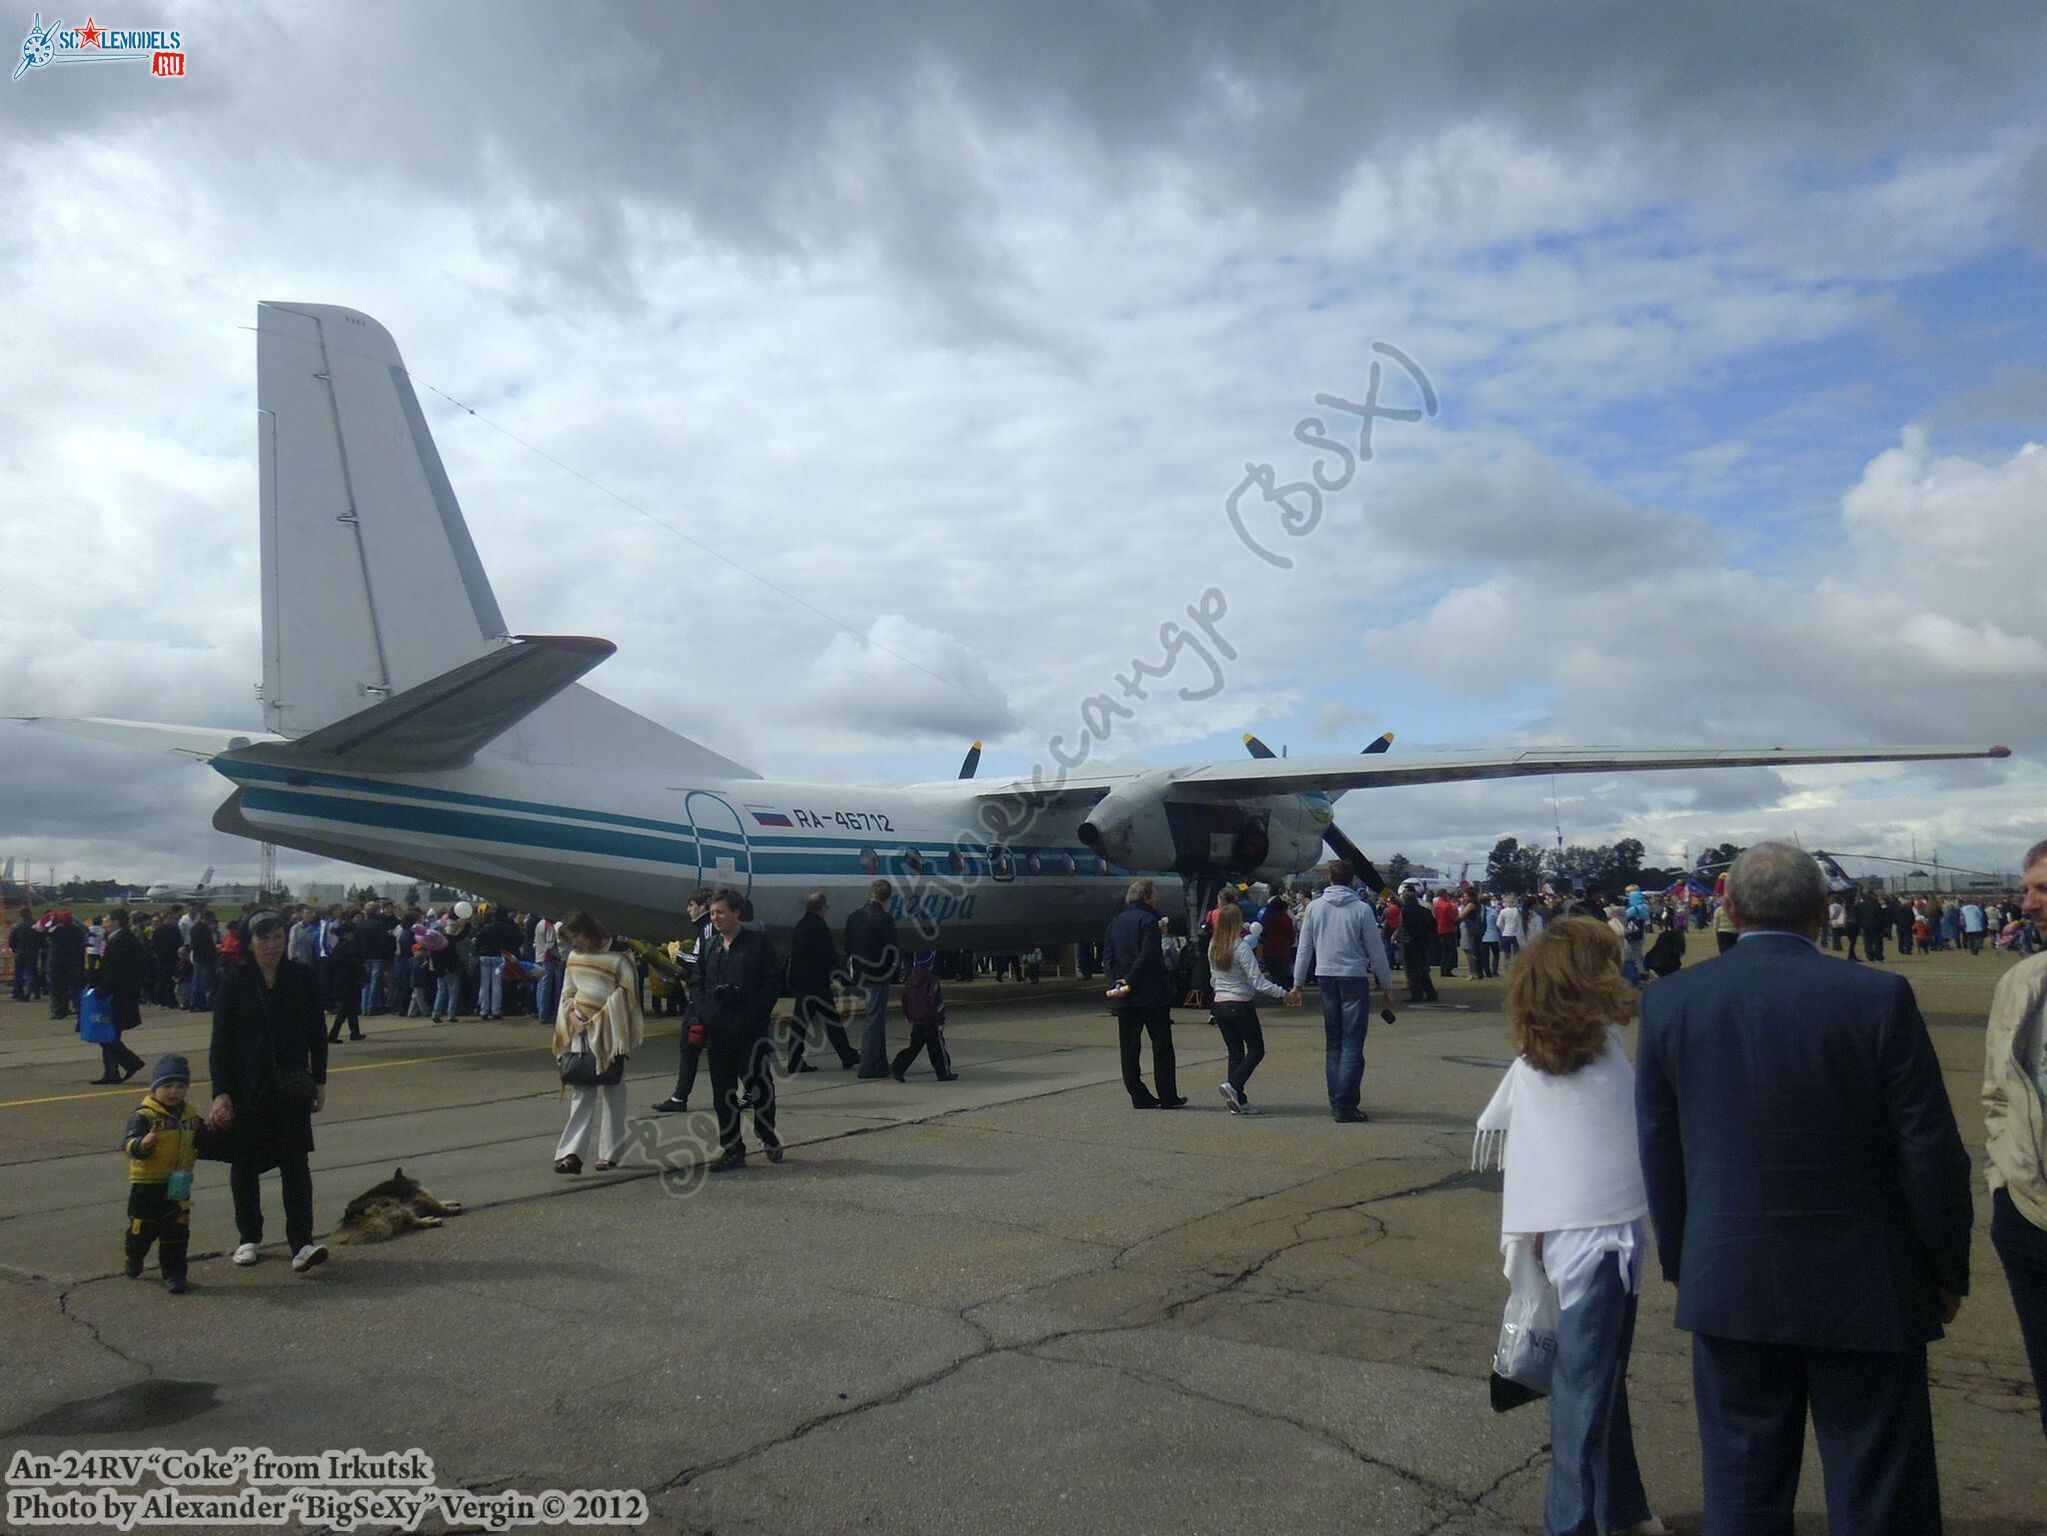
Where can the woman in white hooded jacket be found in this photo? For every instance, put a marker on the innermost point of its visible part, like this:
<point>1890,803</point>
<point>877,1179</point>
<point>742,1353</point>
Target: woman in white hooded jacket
<point>1238,979</point>
<point>1562,1125</point>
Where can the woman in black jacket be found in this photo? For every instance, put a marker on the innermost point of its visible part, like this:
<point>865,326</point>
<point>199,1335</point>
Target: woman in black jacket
<point>269,1067</point>
<point>120,980</point>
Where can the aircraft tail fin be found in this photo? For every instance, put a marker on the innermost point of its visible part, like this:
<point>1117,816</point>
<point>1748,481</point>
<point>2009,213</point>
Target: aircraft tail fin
<point>372,585</point>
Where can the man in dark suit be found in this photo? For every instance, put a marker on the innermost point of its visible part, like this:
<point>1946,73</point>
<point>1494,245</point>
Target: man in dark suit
<point>872,960</point>
<point>813,960</point>
<point>1811,1201</point>
<point>738,981</point>
<point>1142,988</point>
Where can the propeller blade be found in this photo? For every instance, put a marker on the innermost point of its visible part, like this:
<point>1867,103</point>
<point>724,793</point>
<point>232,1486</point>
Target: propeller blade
<point>973,761</point>
<point>1257,748</point>
<point>1378,746</point>
<point>1351,854</point>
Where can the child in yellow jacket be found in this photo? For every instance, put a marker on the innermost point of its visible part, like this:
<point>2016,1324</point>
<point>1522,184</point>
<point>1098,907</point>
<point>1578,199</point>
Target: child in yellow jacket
<point>162,1143</point>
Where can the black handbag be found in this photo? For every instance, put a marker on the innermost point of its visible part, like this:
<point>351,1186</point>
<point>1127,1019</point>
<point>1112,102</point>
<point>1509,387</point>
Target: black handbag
<point>579,1070</point>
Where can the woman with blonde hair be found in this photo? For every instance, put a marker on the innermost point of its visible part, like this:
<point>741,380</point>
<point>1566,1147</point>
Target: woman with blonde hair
<point>1562,1126</point>
<point>597,1026</point>
<point>1238,981</point>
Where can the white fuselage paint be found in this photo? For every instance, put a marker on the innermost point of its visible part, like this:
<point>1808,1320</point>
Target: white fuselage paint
<point>630,851</point>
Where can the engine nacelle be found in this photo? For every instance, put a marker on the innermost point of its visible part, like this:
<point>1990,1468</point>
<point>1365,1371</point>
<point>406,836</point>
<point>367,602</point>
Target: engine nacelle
<point>1293,833</point>
<point>1129,826</point>
<point>1141,825</point>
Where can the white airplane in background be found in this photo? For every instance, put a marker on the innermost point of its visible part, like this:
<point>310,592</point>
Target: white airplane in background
<point>409,729</point>
<point>165,891</point>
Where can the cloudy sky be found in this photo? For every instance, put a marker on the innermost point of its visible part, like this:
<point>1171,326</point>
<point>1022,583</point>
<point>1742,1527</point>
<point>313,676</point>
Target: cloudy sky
<point>899,365</point>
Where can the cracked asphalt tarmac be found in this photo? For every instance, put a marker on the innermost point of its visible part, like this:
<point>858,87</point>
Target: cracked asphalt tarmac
<point>1007,1303</point>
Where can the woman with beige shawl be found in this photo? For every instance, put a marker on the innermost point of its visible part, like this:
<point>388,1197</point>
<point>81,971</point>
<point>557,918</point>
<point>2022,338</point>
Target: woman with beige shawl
<point>599,1015</point>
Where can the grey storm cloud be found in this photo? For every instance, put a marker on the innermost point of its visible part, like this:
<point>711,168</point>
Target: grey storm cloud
<point>588,137</point>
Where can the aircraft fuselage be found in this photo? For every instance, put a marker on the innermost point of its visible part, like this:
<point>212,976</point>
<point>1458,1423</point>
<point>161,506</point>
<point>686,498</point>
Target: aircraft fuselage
<point>630,851</point>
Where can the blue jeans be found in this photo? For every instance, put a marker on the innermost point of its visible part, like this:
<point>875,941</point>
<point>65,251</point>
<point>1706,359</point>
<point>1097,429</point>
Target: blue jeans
<point>205,983</point>
<point>448,995</point>
<point>373,986</point>
<point>874,1033</point>
<point>1595,1485</point>
<point>1346,1013</point>
<point>547,994</point>
<point>490,997</point>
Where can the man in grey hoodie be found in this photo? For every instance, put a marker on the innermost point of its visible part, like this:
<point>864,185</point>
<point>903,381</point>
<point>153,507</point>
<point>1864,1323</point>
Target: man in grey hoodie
<point>1339,945</point>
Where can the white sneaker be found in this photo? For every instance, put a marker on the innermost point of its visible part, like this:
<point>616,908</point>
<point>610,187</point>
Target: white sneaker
<point>247,1254</point>
<point>1232,1098</point>
<point>312,1256</point>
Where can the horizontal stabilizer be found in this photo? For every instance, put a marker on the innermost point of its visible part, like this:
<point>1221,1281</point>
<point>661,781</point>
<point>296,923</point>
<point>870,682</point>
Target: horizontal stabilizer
<point>203,743</point>
<point>444,721</point>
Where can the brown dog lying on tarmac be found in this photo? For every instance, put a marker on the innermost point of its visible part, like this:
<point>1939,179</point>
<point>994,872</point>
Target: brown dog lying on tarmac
<point>384,1210</point>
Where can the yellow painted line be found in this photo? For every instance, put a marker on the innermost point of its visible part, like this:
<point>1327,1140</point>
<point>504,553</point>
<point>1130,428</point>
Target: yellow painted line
<point>367,1066</point>
<point>413,1061</point>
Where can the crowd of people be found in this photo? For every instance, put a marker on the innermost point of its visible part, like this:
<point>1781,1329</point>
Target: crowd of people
<point>1753,1150</point>
<point>1786,1133</point>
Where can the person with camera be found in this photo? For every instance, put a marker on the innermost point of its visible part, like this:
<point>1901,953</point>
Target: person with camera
<point>738,981</point>
<point>269,1066</point>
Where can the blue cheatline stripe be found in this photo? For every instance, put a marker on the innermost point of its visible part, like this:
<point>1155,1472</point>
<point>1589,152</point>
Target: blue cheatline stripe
<point>561,814</point>
<point>247,773</point>
<point>678,848</point>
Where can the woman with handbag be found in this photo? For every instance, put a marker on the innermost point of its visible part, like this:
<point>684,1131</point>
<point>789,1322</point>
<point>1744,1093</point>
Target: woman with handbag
<point>269,1068</point>
<point>122,961</point>
<point>598,1025</point>
<point>1562,1125</point>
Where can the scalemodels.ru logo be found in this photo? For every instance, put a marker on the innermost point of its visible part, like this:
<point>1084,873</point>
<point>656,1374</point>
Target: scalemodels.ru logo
<point>95,44</point>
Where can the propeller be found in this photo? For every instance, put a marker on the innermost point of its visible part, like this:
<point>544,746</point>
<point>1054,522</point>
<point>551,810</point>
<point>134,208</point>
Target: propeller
<point>972,762</point>
<point>1339,843</point>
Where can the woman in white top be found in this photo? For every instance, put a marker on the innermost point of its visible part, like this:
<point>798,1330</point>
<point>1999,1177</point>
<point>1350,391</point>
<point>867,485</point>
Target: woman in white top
<point>1237,978</point>
<point>599,1019</point>
<point>1563,1127</point>
<point>1510,927</point>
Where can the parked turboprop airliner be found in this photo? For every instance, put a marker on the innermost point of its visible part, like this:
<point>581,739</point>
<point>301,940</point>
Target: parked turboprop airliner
<point>409,729</point>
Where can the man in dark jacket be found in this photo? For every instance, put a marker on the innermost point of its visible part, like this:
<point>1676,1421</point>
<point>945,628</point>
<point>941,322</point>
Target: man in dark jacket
<point>1869,917</point>
<point>737,987</point>
<point>812,961</point>
<point>690,1042</point>
<point>27,944</point>
<point>1142,988</point>
<point>122,963</point>
<point>497,935</point>
<point>64,964</point>
<point>872,957</point>
<point>1417,934</point>
<point>204,943</point>
<point>377,936</point>
<point>1811,1200</point>
<point>164,944</point>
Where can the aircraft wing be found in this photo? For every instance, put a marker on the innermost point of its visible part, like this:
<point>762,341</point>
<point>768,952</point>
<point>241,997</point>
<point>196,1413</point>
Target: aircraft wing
<point>1335,773</point>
